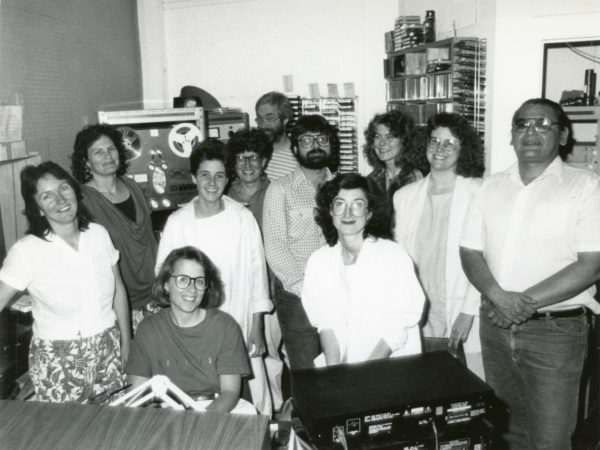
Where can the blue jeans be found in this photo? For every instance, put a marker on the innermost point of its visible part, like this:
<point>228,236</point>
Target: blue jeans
<point>300,338</point>
<point>535,369</point>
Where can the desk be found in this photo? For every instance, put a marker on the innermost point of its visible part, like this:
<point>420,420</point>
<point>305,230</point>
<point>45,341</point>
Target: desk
<point>35,425</point>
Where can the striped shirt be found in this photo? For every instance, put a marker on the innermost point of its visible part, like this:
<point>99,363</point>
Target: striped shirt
<point>290,232</point>
<point>282,163</point>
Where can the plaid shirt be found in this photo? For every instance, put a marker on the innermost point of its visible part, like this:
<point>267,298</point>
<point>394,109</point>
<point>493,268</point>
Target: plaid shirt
<point>290,232</point>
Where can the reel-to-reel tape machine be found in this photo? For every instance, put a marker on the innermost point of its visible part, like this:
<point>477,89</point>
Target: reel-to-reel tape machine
<point>158,145</point>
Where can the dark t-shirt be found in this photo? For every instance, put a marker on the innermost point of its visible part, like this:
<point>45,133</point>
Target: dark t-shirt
<point>192,358</point>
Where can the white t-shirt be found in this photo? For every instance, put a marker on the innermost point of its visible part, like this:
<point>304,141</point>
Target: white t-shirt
<point>72,290</point>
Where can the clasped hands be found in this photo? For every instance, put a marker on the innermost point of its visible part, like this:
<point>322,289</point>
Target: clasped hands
<point>505,308</point>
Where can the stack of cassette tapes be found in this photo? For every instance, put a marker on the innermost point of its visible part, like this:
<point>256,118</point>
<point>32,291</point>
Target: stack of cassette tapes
<point>408,32</point>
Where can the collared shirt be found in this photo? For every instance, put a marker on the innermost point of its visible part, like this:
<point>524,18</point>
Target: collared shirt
<point>290,232</point>
<point>282,163</point>
<point>529,232</point>
<point>72,290</point>
<point>254,203</point>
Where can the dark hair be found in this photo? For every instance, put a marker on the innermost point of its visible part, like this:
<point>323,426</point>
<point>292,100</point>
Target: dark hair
<point>85,139</point>
<point>209,150</point>
<point>30,175</point>
<point>400,126</point>
<point>413,156</point>
<point>377,226</point>
<point>214,294</point>
<point>252,140</point>
<point>563,121</point>
<point>315,123</point>
<point>470,161</point>
<point>277,99</point>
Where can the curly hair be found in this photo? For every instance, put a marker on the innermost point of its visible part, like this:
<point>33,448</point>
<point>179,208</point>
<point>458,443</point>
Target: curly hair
<point>315,123</point>
<point>214,294</point>
<point>38,224</point>
<point>377,226</point>
<point>470,161</point>
<point>563,122</point>
<point>252,140</point>
<point>209,150</point>
<point>84,140</point>
<point>400,126</point>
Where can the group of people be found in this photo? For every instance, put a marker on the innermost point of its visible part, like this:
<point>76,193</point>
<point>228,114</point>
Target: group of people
<point>420,255</point>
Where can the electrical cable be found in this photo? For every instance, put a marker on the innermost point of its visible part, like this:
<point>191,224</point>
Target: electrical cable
<point>585,55</point>
<point>435,434</point>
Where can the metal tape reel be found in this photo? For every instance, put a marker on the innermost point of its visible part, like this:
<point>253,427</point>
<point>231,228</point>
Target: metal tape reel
<point>131,142</point>
<point>183,137</point>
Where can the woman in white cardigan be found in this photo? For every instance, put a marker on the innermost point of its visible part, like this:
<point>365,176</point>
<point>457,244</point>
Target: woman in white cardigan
<point>429,216</point>
<point>360,291</point>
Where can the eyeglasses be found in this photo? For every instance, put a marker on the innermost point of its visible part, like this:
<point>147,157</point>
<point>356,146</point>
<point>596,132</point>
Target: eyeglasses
<point>254,159</point>
<point>267,120</point>
<point>183,281</point>
<point>541,125</point>
<point>447,146</point>
<point>358,208</point>
<point>308,140</point>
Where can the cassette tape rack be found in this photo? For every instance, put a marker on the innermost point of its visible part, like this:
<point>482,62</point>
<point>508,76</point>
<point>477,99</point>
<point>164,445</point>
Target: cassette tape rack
<point>443,76</point>
<point>340,112</point>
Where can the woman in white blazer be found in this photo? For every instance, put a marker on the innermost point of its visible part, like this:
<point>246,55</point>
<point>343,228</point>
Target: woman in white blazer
<point>428,217</point>
<point>360,291</point>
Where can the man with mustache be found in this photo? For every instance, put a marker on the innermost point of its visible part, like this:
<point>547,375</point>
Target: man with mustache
<point>291,234</point>
<point>273,113</point>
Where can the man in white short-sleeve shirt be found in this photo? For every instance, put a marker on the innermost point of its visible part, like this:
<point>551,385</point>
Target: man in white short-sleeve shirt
<point>531,246</point>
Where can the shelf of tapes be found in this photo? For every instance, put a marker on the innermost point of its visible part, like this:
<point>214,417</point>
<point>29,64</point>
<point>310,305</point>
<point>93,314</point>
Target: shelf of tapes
<point>425,90</point>
<point>340,112</point>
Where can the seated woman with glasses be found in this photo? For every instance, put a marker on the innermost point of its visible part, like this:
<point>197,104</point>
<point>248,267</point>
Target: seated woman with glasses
<point>360,291</point>
<point>387,138</point>
<point>200,348</point>
<point>248,153</point>
<point>428,221</point>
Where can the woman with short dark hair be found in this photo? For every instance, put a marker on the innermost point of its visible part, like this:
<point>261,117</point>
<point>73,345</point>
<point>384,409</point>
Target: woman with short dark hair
<point>69,267</point>
<point>199,348</point>
<point>429,216</point>
<point>360,291</point>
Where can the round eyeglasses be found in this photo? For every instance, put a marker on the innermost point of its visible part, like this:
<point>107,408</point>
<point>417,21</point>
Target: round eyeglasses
<point>253,159</point>
<point>447,146</point>
<point>267,120</point>
<point>308,140</point>
<point>183,281</point>
<point>541,125</point>
<point>358,208</point>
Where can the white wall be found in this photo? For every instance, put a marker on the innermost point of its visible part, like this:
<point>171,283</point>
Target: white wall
<point>522,28</point>
<point>238,50</point>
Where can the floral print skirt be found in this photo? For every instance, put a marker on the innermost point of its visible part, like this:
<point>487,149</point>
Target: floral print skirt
<point>76,370</point>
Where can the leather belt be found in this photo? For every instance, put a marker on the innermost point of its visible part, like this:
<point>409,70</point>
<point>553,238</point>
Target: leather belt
<point>559,314</point>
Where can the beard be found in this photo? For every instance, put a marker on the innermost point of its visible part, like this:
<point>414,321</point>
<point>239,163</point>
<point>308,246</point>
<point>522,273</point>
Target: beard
<point>314,159</point>
<point>275,132</point>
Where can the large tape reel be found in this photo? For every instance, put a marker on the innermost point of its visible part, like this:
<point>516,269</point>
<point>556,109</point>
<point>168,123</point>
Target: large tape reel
<point>131,142</point>
<point>183,137</point>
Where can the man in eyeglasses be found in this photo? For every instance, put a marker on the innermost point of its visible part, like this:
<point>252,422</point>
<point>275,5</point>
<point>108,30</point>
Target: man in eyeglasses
<point>291,234</point>
<point>273,113</point>
<point>531,246</point>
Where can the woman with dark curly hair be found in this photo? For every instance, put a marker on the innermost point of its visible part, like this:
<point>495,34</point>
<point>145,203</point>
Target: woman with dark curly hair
<point>117,203</point>
<point>360,291</point>
<point>387,138</point>
<point>248,154</point>
<point>428,221</point>
<point>199,347</point>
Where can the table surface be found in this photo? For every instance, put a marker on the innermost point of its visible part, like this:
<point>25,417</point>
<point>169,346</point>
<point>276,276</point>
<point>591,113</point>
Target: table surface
<point>35,425</point>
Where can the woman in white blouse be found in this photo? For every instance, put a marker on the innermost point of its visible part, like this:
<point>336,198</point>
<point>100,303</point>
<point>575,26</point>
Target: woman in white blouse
<point>69,267</point>
<point>360,291</point>
<point>428,221</point>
